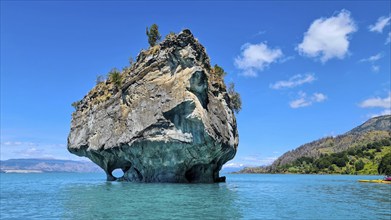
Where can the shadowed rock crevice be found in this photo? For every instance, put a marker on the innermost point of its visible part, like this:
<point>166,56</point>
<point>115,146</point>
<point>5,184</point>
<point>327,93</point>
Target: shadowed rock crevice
<point>179,116</point>
<point>166,123</point>
<point>199,86</point>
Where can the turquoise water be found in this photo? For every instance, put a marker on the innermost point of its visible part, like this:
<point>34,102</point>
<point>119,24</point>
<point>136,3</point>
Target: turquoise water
<point>89,196</point>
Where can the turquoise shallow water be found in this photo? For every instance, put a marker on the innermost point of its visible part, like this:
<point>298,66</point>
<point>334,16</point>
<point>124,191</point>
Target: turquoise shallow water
<point>89,196</point>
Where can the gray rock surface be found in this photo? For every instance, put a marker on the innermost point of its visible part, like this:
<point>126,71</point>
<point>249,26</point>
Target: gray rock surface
<point>171,120</point>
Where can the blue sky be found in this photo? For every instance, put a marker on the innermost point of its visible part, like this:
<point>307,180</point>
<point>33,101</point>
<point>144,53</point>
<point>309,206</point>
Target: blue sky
<point>305,70</point>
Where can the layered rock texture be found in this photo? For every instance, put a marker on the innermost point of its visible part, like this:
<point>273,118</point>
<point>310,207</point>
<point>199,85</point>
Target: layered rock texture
<point>169,119</point>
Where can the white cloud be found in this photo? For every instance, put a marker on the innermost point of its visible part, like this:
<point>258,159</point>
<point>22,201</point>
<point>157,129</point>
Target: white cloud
<point>255,57</point>
<point>286,59</point>
<point>372,58</point>
<point>388,40</point>
<point>380,24</point>
<point>251,161</point>
<point>11,144</point>
<point>377,102</point>
<point>298,103</point>
<point>233,165</point>
<point>18,143</point>
<point>318,97</point>
<point>328,37</point>
<point>375,68</point>
<point>267,161</point>
<point>294,81</point>
<point>304,100</point>
<point>259,33</point>
<point>11,149</point>
<point>33,153</point>
<point>258,160</point>
<point>384,112</point>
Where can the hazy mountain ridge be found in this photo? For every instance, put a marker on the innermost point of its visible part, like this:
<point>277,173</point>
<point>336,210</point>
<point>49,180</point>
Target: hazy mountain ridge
<point>48,165</point>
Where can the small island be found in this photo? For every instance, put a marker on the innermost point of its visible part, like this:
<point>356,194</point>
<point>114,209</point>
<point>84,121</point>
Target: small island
<point>168,117</point>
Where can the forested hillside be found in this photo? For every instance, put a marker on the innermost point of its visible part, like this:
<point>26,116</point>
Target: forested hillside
<point>359,151</point>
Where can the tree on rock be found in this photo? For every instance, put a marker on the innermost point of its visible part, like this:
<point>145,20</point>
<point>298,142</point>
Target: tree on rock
<point>219,71</point>
<point>153,35</point>
<point>236,101</point>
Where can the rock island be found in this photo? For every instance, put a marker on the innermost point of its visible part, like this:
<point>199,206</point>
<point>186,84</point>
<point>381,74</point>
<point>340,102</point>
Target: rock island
<point>166,118</point>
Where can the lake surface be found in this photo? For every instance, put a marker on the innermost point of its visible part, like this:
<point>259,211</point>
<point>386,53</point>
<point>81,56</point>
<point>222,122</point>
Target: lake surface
<point>89,196</point>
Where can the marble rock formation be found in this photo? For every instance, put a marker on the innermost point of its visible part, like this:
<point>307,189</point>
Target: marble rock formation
<point>168,119</point>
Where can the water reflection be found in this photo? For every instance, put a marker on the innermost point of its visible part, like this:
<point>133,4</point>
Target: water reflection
<point>151,201</point>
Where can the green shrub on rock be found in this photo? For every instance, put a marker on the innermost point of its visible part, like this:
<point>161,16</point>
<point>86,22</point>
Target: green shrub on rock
<point>170,36</point>
<point>236,101</point>
<point>219,71</point>
<point>75,104</point>
<point>153,35</point>
<point>115,77</point>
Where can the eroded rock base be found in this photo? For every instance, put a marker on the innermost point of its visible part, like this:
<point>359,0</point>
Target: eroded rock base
<point>161,162</point>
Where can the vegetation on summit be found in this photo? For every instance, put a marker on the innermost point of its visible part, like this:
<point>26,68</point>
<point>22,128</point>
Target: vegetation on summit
<point>153,35</point>
<point>115,77</point>
<point>107,86</point>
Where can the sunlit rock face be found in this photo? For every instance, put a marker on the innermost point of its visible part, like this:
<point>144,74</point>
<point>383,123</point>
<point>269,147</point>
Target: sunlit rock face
<point>169,121</point>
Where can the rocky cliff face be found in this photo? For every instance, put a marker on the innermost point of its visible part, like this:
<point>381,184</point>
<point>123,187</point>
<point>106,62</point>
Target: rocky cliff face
<point>170,120</point>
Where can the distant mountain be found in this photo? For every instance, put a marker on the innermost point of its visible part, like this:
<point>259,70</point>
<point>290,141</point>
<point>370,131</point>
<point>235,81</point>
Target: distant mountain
<point>227,170</point>
<point>381,123</point>
<point>371,138</point>
<point>373,130</point>
<point>47,165</point>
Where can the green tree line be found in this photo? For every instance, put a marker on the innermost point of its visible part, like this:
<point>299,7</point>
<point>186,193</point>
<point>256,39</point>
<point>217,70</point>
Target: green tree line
<point>351,161</point>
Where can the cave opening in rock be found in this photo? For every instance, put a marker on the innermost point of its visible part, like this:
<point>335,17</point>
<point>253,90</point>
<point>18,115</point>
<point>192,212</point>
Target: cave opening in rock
<point>195,173</point>
<point>118,173</point>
